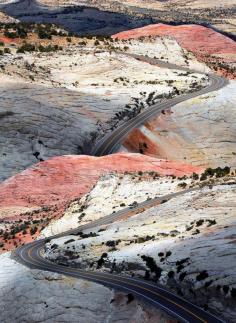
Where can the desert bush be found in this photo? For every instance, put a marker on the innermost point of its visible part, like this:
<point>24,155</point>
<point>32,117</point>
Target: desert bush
<point>151,264</point>
<point>202,275</point>
<point>27,47</point>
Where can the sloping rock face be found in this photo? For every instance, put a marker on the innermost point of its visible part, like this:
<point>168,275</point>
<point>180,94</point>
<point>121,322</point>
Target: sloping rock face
<point>38,122</point>
<point>209,46</point>
<point>201,131</point>
<point>113,192</point>
<point>187,243</point>
<point>43,191</point>
<point>36,296</point>
<point>74,18</point>
<point>194,38</point>
<point>57,103</point>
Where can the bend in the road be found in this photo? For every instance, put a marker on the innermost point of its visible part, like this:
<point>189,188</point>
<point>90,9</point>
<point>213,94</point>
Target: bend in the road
<point>30,255</point>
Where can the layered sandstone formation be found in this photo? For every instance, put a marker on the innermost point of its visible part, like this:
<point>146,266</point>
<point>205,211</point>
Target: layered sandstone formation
<point>192,37</point>
<point>112,193</point>
<point>201,131</point>
<point>58,103</point>
<point>43,191</point>
<point>190,239</point>
<point>208,45</point>
<point>72,16</point>
<point>114,16</point>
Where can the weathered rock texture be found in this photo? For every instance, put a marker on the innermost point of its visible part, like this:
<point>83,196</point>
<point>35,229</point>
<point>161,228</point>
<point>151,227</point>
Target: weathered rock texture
<point>40,122</point>
<point>195,38</point>
<point>36,296</point>
<point>81,20</point>
<point>191,239</point>
<point>201,131</point>
<point>112,193</point>
<point>208,45</point>
<point>122,15</point>
<point>58,103</point>
<point>221,14</point>
<point>43,191</point>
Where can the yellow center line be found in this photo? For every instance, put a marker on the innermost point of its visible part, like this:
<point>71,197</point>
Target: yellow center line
<point>95,275</point>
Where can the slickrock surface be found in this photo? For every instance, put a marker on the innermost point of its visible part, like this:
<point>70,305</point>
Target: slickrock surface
<point>81,20</point>
<point>119,15</point>
<point>112,193</point>
<point>113,76</point>
<point>194,38</point>
<point>58,103</point>
<point>36,296</point>
<point>191,239</point>
<point>43,191</point>
<point>40,122</point>
<point>205,43</point>
<point>201,131</point>
<point>73,176</point>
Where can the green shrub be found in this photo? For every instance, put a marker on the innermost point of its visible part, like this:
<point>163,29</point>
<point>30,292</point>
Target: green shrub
<point>151,264</point>
<point>27,47</point>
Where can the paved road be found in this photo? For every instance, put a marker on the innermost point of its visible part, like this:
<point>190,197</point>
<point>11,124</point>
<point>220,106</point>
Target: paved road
<point>111,142</point>
<point>31,255</point>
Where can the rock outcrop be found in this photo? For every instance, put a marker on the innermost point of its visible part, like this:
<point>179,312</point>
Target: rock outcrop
<point>59,103</point>
<point>200,131</point>
<point>43,191</point>
<point>186,243</point>
<point>35,296</point>
<point>73,17</point>
<point>208,45</point>
<point>40,122</point>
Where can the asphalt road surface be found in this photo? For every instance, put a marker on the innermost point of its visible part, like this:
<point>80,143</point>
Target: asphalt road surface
<point>111,142</point>
<point>31,255</point>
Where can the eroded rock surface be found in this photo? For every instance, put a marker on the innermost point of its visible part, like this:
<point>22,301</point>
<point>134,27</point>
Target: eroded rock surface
<point>36,296</point>
<point>187,243</point>
<point>209,46</point>
<point>75,18</point>
<point>6,19</point>
<point>59,103</point>
<point>201,131</point>
<point>30,199</point>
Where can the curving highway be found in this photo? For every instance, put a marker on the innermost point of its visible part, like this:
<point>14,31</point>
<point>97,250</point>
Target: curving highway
<point>111,142</point>
<point>31,255</point>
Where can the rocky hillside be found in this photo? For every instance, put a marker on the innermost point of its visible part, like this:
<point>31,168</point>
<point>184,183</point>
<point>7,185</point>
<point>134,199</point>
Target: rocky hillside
<point>72,16</point>
<point>55,183</point>
<point>186,243</point>
<point>218,51</point>
<point>57,98</point>
<point>60,93</point>
<point>114,16</point>
<point>6,19</point>
<point>53,297</point>
<point>220,15</point>
<point>201,131</point>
